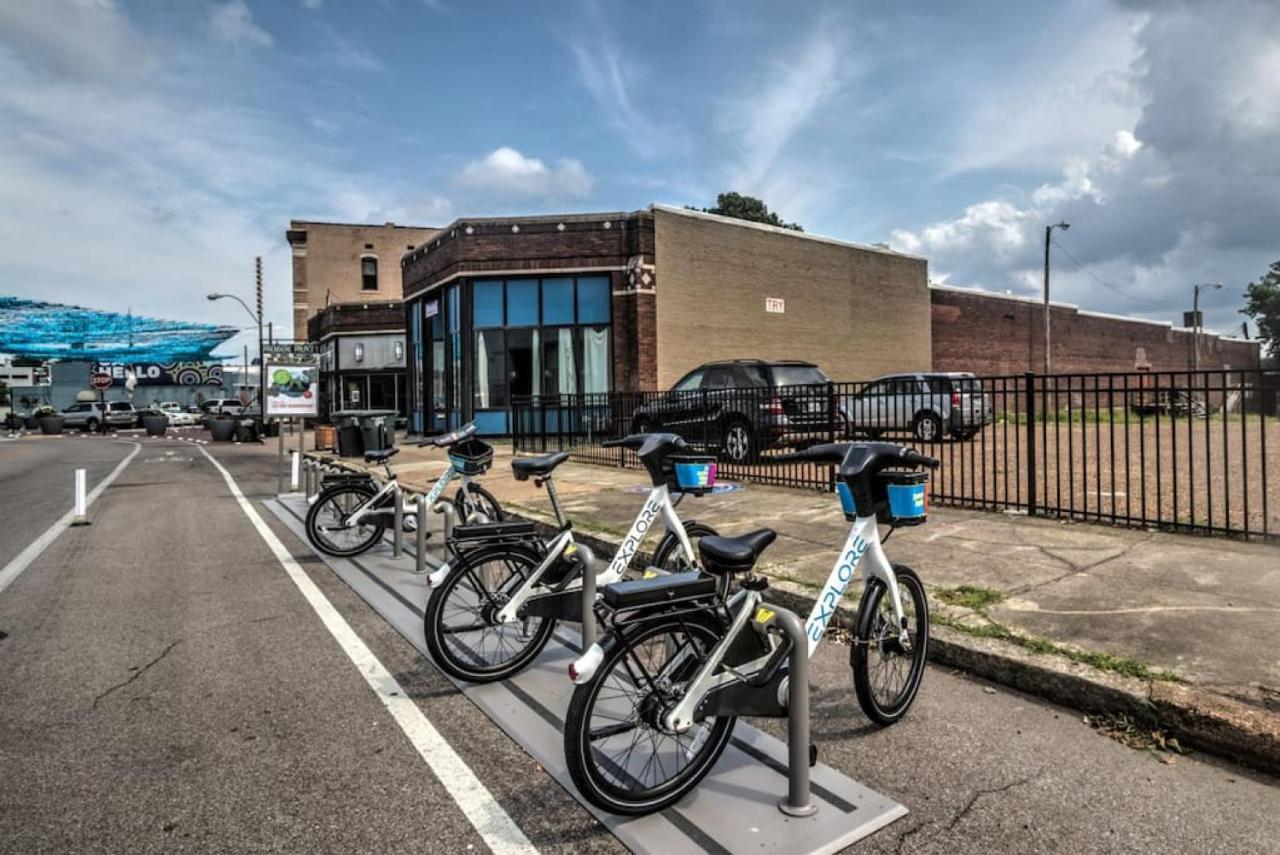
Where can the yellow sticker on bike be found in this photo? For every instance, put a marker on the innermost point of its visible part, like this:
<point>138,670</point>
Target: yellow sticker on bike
<point>764,615</point>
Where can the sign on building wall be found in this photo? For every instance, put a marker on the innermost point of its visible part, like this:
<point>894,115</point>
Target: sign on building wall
<point>775,305</point>
<point>292,376</point>
<point>163,373</point>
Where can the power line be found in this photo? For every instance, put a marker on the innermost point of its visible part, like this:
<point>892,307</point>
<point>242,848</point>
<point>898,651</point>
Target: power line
<point>1083,269</point>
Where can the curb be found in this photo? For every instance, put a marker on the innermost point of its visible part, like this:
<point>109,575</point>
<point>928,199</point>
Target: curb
<point>1199,718</point>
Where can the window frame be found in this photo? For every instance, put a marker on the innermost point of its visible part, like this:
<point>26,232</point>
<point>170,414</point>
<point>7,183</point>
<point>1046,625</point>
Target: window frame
<point>364,277</point>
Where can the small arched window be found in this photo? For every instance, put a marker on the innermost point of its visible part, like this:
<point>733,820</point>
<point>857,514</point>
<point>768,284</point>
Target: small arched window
<point>369,273</point>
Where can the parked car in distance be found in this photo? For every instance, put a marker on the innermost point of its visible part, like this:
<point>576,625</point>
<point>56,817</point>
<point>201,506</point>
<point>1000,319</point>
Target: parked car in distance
<point>930,405</point>
<point>745,406</point>
<point>89,416</point>
<point>178,417</point>
<point>230,406</point>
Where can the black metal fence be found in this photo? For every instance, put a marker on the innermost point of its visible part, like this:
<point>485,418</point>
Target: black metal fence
<point>1193,451</point>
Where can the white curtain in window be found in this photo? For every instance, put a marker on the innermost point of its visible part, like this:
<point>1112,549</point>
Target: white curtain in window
<point>535,381</point>
<point>482,371</point>
<point>568,375</point>
<point>595,359</point>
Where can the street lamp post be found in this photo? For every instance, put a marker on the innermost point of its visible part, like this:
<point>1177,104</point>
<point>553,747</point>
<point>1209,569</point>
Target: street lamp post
<point>1198,324</point>
<point>258,320</point>
<point>1048,232</point>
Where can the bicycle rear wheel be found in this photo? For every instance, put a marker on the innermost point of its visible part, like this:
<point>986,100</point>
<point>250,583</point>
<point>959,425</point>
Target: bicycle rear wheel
<point>469,501</point>
<point>326,524</point>
<point>462,632</point>
<point>886,677</point>
<point>618,754</point>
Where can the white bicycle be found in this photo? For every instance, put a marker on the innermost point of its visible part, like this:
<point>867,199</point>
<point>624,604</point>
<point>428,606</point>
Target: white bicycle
<point>494,606</point>
<point>351,512</point>
<point>657,698</point>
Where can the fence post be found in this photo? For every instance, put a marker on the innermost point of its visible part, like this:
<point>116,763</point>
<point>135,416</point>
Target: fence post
<point>1030,380</point>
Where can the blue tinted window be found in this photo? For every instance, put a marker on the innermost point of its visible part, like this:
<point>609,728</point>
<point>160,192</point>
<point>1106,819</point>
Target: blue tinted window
<point>593,300</point>
<point>455,317</point>
<point>522,303</point>
<point>486,307</point>
<point>557,301</point>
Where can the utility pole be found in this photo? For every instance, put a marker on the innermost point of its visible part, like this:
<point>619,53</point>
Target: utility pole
<point>1048,233</point>
<point>262,387</point>
<point>1197,323</point>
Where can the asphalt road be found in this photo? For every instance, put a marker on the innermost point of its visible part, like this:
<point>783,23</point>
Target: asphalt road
<point>164,686</point>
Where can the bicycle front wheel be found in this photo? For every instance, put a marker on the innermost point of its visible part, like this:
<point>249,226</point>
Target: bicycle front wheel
<point>886,675</point>
<point>619,755</point>
<point>327,526</point>
<point>461,625</point>
<point>473,500</point>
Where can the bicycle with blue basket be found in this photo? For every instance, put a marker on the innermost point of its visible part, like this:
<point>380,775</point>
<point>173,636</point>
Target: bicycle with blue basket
<point>352,511</point>
<point>495,604</point>
<point>656,699</point>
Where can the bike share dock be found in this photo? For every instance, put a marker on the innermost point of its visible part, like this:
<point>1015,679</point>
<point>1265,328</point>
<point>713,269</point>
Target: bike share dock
<point>734,809</point>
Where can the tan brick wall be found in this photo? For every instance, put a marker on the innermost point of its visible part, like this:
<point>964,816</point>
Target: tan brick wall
<point>856,313</point>
<point>329,263</point>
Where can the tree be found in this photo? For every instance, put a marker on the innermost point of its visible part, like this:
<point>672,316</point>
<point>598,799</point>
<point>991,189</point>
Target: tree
<point>1262,304</point>
<point>748,208</point>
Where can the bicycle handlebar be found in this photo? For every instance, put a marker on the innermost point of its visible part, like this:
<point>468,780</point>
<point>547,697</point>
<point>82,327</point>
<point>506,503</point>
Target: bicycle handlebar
<point>835,452</point>
<point>635,441</point>
<point>453,437</point>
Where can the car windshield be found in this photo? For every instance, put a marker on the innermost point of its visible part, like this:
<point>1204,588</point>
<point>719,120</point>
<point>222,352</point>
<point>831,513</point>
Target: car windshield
<point>120,407</point>
<point>797,375</point>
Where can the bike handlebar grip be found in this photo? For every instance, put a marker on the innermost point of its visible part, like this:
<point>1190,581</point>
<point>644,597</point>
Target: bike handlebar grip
<point>612,443</point>
<point>918,459</point>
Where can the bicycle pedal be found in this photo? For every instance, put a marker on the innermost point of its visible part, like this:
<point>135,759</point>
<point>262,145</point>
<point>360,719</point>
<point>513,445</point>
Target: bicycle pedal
<point>813,755</point>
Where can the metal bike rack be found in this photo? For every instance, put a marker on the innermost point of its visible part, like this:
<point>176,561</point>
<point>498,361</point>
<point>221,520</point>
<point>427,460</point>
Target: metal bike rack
<point>420,540</point>
<point>797,803</point>
<point>588,601</point>
<point>450,515</point>
<point>397,536</point>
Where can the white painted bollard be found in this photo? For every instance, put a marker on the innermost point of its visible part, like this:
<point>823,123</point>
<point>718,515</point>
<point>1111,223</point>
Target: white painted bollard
<point>80,517</point>
<point>293,471</point>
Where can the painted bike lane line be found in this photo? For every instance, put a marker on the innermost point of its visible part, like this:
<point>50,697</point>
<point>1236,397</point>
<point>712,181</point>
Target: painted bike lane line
<point>24,558</point>
<point>494,825</point>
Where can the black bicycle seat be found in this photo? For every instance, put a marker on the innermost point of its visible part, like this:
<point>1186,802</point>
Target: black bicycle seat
<point>538,467</point>
<point>380,455</point>
<point>726,555</point>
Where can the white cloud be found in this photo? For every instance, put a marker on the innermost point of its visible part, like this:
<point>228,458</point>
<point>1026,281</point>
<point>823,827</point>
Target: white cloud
<point>75,38</point>
<point>232,23</point>
<point>312,5</point>
<point>346,53</point>
<point>1188,191</point>
<point>506,170</point>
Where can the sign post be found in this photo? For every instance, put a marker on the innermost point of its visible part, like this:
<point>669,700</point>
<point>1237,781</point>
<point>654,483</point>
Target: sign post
<point>291,389</point>
<point>101,380</point>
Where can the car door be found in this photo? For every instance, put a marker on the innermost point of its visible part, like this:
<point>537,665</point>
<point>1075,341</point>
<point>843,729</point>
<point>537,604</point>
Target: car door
<point>712,406</point>
<point>675,409</point>
<point>75,415</point>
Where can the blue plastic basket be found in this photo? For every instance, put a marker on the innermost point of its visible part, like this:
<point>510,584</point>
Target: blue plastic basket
<point>908,501</point>
<point>471,457</point>
<point>846,500</point>
<point>693,474</point>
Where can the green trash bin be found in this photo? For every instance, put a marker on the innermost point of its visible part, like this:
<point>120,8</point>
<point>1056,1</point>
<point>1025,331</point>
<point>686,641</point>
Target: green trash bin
<point>374,429</point>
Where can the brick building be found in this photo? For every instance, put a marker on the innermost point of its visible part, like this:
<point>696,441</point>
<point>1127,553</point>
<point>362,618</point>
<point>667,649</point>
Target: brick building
<point>590,303</point>
<point>344,263</point>
<point>993,334</point>
<point>362,356</point>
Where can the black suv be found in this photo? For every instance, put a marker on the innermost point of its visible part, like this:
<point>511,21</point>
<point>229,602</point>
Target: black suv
<point>743,407</point>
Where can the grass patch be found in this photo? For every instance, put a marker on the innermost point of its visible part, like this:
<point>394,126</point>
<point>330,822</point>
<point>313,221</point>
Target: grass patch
<point>1123,665</point>
<point>970,597</point>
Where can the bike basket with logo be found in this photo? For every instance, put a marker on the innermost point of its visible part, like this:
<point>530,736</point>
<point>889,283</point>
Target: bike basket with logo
<point>691,473</point>
<point>471,457</point>
<point>902,497</point>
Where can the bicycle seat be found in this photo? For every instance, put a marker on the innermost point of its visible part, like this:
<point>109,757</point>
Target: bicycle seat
<point>380,455</point>
<point>538,467</point>
<point>726,555</point>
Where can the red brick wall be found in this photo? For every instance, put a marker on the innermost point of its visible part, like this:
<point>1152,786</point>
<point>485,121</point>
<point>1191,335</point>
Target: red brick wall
<point>990,334</point>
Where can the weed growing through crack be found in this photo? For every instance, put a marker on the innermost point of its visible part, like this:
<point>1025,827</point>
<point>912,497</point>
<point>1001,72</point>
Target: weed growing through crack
<point>970,597</point>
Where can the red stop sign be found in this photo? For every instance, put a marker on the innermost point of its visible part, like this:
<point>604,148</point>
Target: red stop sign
<point>100,380</point>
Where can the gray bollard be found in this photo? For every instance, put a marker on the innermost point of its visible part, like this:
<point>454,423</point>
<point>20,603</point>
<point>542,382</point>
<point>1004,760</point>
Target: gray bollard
<point>308,478</point>
<point>797,802</point>
<point>588,602</point>
<point>397,538</point>
<point>421,542</point>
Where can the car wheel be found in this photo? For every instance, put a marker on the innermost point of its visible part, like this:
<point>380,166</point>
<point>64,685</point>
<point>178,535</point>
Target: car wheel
<point>91,426</point>
<point>927,428</point>
<point>739,443</point>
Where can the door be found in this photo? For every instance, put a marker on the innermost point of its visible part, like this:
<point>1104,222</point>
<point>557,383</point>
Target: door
<point>674,410</point>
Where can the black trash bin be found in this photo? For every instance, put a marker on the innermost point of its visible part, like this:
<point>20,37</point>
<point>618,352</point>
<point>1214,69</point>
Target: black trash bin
<point>350,441</point>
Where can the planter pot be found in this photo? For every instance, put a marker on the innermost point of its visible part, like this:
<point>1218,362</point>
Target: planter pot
<point>222,430</point>
<point>155,425</point>
<point>30,422</point>
<point>50,424</point>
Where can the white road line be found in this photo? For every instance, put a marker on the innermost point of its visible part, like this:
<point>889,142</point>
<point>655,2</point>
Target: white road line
<point>24,558</point>
<point>493,823</point>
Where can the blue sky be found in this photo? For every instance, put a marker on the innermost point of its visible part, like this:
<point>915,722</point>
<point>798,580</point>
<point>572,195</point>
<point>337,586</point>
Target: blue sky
<point>150,148</point>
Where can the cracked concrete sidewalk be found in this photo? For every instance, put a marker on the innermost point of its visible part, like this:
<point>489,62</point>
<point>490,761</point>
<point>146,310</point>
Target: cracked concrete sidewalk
<point>1203,609</point>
